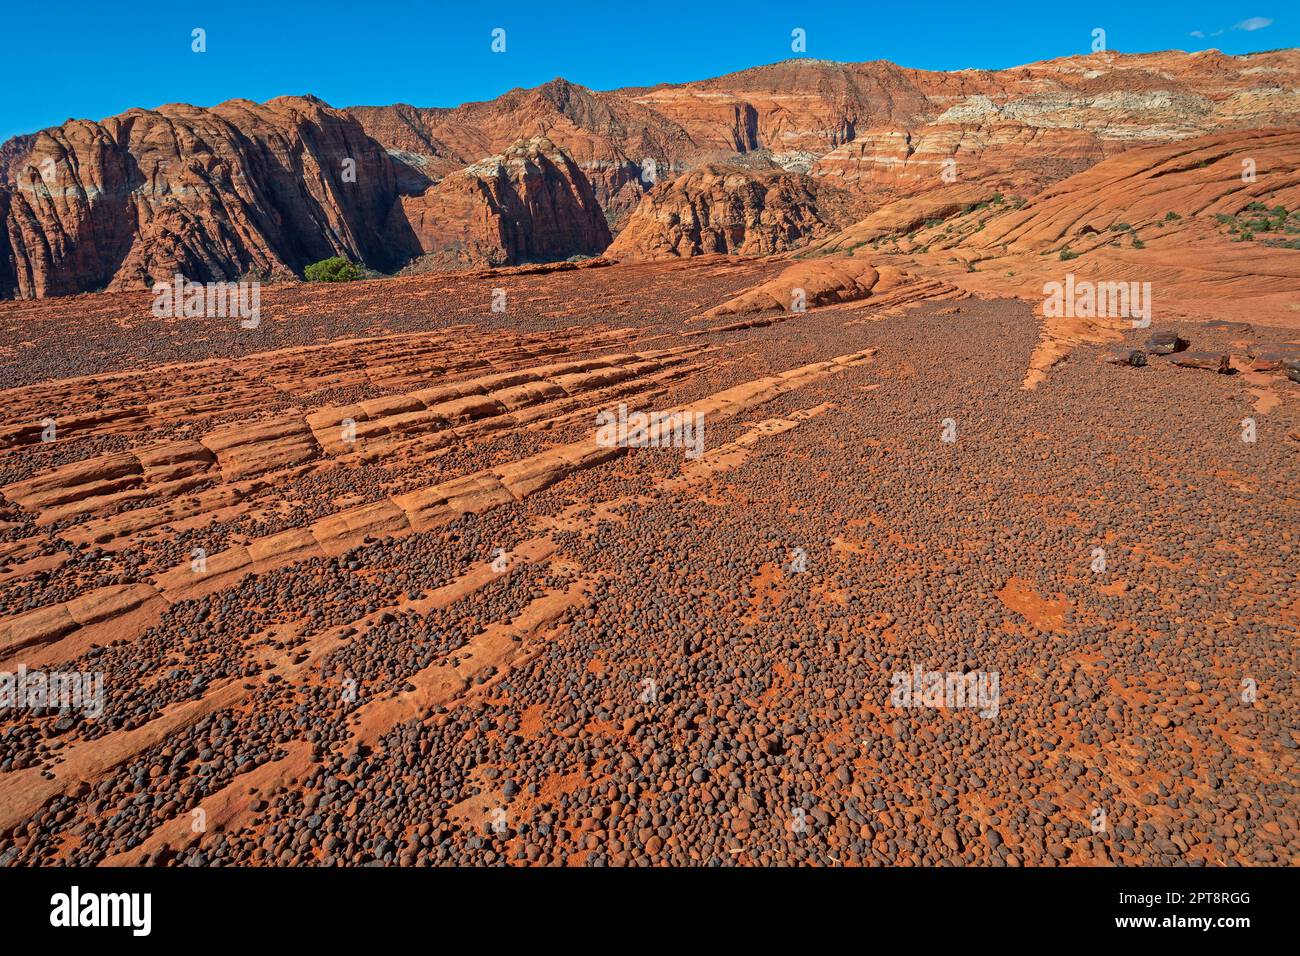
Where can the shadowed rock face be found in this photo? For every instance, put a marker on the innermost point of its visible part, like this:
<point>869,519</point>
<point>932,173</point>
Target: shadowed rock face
<point>8,281</point>
<point>530,203</point>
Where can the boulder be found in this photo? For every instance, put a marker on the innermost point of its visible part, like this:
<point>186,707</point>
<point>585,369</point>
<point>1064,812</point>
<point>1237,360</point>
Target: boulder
<point>1223,325</point>
<point>1214,361</point>
<point>1273,357</point>
<point>1165,343</point>
<point>1123,355</point>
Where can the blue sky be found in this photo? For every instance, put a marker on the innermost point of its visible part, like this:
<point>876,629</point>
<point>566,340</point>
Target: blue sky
<point>91,60</point>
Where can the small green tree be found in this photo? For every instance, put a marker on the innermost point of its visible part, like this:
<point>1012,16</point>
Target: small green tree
<point>333,269</point>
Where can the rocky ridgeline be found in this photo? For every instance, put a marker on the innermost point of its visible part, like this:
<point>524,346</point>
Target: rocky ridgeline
<point>244,189</point>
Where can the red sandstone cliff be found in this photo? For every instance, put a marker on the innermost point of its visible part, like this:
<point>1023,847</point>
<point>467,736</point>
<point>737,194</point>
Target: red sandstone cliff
<point>530,203</point>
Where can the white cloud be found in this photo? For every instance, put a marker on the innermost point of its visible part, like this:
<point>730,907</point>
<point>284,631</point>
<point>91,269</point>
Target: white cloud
<point>1249,26</point>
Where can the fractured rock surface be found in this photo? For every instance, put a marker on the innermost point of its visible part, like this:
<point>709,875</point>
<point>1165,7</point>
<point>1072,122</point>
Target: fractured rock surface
<point>333,577</point>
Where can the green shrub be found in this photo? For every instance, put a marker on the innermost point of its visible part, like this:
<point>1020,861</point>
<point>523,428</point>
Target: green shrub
<point>1171,216</point>
<point>333,269</point>
<point>1067,254</point>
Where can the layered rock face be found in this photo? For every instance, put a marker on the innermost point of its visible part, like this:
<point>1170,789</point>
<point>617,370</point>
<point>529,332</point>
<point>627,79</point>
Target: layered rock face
<point>875,126</point>
<point>718,208</point>
<point>897,162</point>
<point>214,194</point>
<point>1194,229</point>
<point>621,146</point>
<point>1180,190</point>
<point>530,203</point>
<point>902,216</point>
